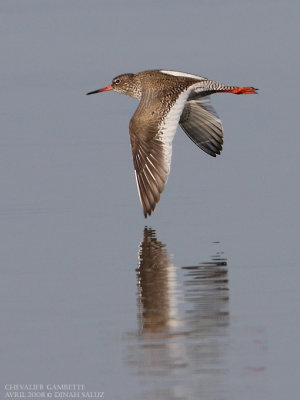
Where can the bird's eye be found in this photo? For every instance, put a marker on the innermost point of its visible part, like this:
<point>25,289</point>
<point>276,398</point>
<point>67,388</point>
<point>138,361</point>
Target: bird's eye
<point>117,81</point>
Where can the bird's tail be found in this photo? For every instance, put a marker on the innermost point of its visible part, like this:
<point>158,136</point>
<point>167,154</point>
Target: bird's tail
<point>216,87</point>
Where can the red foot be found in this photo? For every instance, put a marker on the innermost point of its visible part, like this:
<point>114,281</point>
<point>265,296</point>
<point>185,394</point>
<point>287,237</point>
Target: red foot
<point>243,90</point>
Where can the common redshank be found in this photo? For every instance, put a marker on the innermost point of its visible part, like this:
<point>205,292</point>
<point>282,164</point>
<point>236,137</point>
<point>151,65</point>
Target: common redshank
<point>168,98</point>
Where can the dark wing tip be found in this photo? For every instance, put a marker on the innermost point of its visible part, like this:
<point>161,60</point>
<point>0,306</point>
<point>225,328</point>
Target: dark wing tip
<point>147,213</point>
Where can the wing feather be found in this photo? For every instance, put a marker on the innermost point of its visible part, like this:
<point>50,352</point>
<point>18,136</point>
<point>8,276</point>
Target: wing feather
<point>202,125</point>
<point>151,136</point>
<point>150,170</point>
<point>152,129</point>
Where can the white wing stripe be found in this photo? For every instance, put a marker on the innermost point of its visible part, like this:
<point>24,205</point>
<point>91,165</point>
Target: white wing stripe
<point>150,171</point>
<point>151,161</point>
<point>183,74</point>
<point>137,184</point>
<point>169,124</point>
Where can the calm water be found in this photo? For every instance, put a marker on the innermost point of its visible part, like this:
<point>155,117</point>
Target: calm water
<point>200,301</point>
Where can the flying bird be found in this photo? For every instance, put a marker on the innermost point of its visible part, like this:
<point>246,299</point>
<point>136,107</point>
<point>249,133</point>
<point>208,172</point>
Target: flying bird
<point>168,98</point>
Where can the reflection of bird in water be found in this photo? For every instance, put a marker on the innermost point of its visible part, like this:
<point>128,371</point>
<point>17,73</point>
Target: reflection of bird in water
<point>156,284</point>
<point>183,318</point>
<point>206,290</point>
<point>203,295</point>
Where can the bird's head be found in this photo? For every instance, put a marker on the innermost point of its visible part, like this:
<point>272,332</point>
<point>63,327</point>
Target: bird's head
<point>125,84</point>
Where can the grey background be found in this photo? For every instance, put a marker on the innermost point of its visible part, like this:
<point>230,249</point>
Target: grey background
<point>71,222</point>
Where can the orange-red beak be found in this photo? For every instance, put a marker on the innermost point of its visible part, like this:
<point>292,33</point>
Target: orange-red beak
<point>105,89</point>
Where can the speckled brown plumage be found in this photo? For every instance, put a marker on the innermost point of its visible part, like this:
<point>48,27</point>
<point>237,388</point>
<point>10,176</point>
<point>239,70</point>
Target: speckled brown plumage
<point>168,98</point>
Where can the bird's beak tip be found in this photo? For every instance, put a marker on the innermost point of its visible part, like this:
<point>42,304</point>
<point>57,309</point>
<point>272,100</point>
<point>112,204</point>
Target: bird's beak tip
<point>105,89</point>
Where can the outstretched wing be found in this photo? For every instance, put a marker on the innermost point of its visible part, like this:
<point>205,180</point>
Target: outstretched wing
<point>151,170</point>
<point>202,125</point>
<point>152,129</point>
